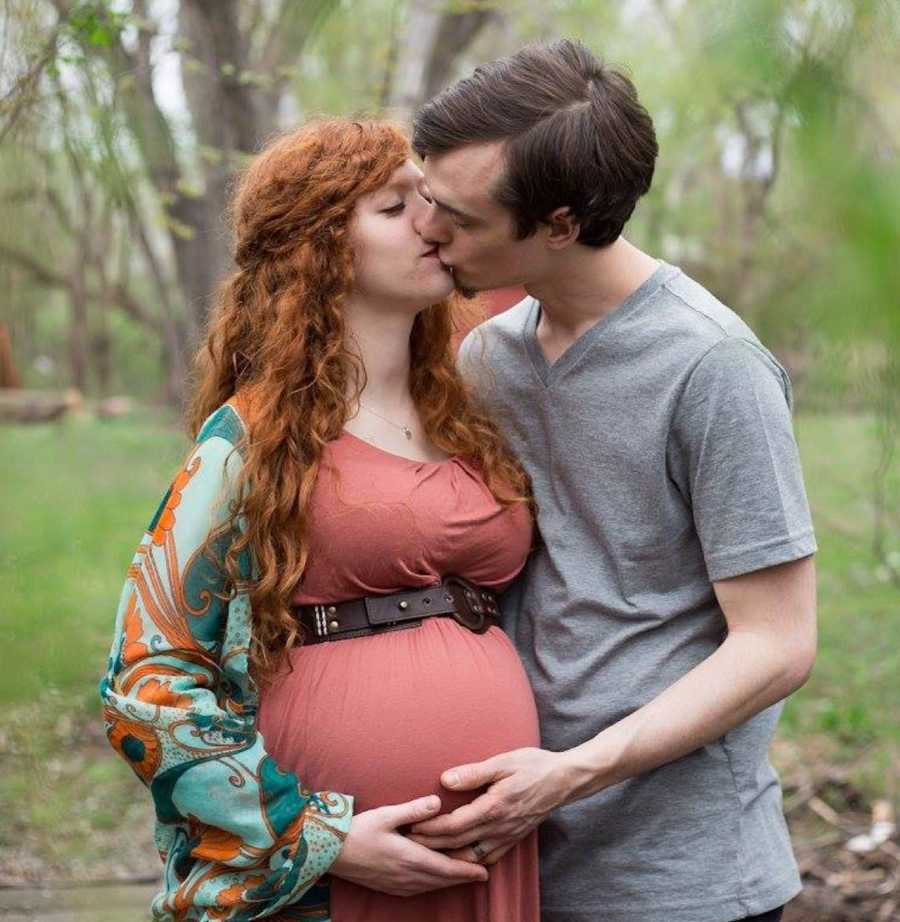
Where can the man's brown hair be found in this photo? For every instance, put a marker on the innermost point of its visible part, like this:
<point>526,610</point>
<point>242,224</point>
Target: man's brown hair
<point>575,135</point>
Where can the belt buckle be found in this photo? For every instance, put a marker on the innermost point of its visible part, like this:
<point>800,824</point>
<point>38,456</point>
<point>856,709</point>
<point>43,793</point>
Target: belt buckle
<point>470,612</point>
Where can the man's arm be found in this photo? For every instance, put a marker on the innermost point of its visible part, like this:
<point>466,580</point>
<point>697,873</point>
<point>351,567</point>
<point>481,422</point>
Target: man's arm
<point>767,654</point>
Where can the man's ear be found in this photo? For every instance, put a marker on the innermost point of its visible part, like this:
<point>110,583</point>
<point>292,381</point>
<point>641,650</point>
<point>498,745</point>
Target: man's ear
<point>562,228</point>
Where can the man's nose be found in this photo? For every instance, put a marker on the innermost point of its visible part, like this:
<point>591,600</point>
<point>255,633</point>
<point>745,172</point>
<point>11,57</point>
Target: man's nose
<point>429,225</point>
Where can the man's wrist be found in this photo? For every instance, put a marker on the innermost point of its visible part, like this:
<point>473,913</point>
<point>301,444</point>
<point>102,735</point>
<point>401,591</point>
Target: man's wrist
<point>586,769</point>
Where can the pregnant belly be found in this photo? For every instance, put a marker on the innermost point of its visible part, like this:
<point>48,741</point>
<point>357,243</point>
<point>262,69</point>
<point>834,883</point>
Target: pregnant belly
<point>381,717</point>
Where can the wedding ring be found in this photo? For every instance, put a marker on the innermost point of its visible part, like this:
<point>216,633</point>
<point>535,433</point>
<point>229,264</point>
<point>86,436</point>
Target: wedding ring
<point>479,849</point>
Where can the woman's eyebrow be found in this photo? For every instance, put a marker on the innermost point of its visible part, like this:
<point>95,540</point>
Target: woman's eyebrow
<point>406,179</point>
<point>398,185</point>
<point>388,192</point>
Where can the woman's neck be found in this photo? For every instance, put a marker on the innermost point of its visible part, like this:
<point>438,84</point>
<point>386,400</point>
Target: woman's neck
<point>386,415</point>
<point>382,341</point>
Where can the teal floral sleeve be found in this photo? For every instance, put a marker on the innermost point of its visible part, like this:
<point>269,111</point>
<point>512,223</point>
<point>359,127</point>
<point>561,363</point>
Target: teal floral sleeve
<point>240,839</point>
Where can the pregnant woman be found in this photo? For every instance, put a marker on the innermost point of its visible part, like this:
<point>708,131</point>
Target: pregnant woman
<point>311,610</point>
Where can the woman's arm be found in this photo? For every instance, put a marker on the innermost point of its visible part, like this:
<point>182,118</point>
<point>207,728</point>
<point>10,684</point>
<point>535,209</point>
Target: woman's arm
<point>239,837</point>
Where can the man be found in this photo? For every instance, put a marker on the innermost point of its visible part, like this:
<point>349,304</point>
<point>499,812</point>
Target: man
<point>671,603</point>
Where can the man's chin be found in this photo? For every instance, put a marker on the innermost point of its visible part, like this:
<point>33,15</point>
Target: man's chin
<point>465,292</point>
<point>462,289</point>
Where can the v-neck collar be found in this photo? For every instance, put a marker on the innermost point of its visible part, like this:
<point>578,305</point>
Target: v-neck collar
<point>548,373</point>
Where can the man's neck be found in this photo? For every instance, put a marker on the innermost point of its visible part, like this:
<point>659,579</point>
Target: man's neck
<point>586,285</point>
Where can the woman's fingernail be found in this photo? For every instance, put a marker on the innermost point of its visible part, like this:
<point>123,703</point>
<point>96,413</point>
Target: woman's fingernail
<point>452,779</point>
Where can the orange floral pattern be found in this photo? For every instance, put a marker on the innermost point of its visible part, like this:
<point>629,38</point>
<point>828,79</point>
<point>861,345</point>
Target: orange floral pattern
<point>167,519</point>
<point>240,839</point>
<point>136,743</point>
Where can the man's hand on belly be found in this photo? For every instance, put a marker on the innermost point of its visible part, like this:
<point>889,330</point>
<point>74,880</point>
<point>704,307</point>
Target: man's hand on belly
<point>524,786</point>
<point>377,856</point>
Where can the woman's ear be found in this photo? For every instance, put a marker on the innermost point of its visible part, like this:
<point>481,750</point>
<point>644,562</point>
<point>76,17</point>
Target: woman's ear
<point>562,228</point>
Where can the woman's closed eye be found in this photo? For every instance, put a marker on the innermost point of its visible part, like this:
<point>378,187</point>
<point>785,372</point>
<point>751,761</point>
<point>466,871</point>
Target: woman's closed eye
<point>400,206</point>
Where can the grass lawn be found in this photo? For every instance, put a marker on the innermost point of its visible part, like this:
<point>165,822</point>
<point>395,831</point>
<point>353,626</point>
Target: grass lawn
<point>74,501</point>
<point>853,692</point>
<point>76,497</point>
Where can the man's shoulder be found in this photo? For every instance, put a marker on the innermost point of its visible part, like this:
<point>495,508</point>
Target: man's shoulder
<point>708,344</point>
<point>510,322</point>
<point>699,315</point>
<point>502,331</point>
<point>692,328</point>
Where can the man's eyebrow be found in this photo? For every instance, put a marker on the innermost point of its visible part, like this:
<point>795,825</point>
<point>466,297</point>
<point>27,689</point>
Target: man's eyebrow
<point>454,211</point>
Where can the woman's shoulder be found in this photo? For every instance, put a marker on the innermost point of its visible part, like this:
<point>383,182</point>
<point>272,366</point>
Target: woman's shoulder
<point>218,453</point>
<point>227,422</point>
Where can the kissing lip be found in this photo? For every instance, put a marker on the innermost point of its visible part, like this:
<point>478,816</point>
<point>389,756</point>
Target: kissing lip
<point>432,252</point>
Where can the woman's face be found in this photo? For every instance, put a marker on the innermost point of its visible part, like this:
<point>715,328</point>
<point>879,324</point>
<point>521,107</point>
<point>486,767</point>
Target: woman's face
<point>394,266</point>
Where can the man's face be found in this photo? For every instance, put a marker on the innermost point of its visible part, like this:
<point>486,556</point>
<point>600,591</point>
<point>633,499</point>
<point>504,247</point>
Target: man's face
<point>475,235</point>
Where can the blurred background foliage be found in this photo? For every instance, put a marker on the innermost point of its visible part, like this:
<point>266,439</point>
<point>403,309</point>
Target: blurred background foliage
<point>122,123</point>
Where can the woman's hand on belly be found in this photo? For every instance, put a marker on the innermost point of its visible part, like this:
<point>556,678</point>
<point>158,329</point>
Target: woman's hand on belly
<point>377,856</point>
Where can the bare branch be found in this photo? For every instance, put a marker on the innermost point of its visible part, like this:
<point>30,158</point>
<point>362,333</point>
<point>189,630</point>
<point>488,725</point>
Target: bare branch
<point>38,271</point>
<point>18,97</point>
<point>291,29</point>
<point>52,278</point>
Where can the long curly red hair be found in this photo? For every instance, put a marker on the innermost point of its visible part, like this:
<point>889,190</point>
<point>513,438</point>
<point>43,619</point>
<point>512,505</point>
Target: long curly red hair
<point>277,346</point>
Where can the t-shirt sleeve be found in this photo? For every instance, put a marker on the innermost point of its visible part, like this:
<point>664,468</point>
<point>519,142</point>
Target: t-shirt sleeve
<point>733,455</point>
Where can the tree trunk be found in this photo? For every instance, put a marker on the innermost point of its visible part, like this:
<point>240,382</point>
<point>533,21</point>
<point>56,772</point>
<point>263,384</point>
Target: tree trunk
<point>78,326</point>
<point>455,34</point>
<point>429,47</point>
<point>233,104</point>
<point>101,349</point>
<point>9,376</point>
<point>225,119</point>
<point>416,46</point>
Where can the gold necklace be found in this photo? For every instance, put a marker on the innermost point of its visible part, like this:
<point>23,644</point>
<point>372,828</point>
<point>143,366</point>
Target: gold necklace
<point>404,429</point>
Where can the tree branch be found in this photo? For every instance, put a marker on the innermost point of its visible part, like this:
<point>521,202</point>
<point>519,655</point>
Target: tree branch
<point>18,95</point>
<point>52,278</point>
<point>39,272</point>
<point>291,29</point>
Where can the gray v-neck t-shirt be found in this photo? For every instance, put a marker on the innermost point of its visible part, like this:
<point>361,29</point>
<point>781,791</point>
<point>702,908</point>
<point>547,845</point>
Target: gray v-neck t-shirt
<point>662,456</point>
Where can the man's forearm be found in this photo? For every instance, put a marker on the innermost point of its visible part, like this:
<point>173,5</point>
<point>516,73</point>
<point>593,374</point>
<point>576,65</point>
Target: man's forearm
<point>747,674</point>
<point>769,650</point>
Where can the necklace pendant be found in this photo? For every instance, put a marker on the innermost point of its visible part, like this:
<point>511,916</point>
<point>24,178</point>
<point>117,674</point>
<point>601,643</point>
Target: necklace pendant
<point>407,432</point>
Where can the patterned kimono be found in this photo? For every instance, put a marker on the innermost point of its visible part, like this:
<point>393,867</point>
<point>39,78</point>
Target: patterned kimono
<point>239,838</point>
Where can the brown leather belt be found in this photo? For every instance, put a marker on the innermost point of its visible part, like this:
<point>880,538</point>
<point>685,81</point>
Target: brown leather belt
<point>470,605</point>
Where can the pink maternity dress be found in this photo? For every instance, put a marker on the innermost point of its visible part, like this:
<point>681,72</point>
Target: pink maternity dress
<point>381,717</point>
